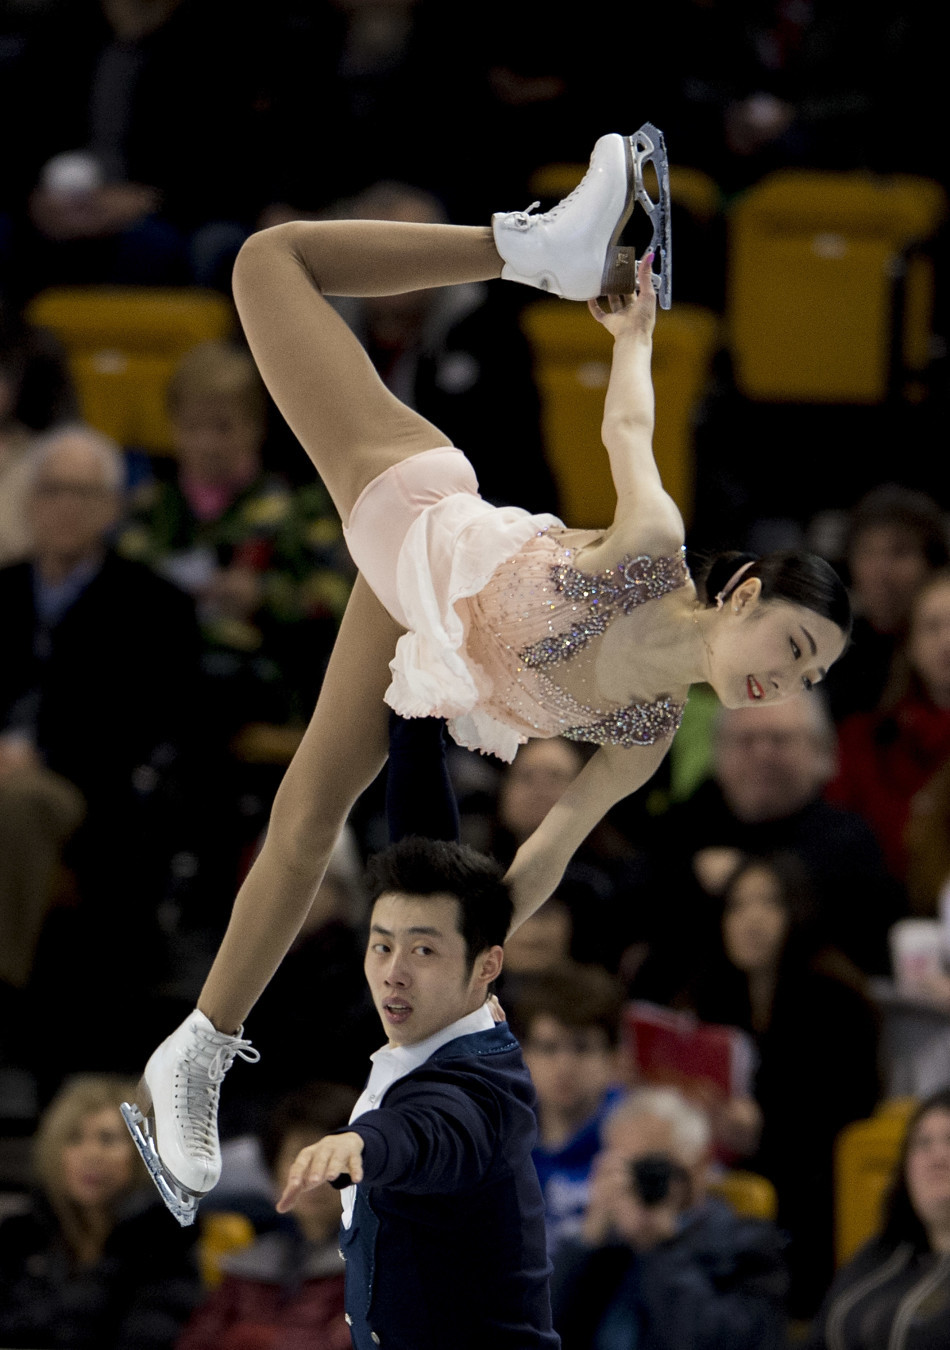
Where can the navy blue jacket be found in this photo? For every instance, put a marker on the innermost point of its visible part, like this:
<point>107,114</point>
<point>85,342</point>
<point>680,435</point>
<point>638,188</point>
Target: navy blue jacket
<point>446,1250</point>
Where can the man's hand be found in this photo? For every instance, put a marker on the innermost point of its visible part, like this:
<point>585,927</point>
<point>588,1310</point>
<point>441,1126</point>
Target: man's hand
<point>321,1162</point>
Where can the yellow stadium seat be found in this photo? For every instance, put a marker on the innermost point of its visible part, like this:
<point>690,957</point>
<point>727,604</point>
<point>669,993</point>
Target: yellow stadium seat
<point>221,1233</point>
<point>747,1193</point>
<point>827,291</point>
<point>866,1154</point>
<point>572,365</point>
<point>123,344</point>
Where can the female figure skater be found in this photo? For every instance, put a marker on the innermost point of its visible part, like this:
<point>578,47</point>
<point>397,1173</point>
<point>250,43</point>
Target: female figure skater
<point>509,625</point>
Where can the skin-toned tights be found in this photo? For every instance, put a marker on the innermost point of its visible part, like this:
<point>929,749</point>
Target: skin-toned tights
<point>353,428</point>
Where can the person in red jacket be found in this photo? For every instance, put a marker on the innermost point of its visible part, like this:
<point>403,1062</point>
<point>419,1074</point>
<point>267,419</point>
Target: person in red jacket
<point>889,755</point>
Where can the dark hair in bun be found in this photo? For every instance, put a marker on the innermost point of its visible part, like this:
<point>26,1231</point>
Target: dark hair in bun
<point>797,578</point>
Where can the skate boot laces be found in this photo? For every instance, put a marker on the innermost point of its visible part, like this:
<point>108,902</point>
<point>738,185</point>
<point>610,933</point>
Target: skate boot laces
<point>523,220</point>
<point>198,1086</point>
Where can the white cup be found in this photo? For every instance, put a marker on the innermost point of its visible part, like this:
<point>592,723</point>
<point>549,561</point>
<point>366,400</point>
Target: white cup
<point>916,953</point>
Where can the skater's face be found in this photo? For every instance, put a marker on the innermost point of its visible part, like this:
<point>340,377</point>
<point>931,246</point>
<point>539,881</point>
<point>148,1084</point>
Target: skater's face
<point>768,651</point>
<point>418,969</point>
<point>98,1159</point>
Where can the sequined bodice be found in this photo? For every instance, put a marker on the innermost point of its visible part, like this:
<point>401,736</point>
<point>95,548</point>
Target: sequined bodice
<point>543,611</point>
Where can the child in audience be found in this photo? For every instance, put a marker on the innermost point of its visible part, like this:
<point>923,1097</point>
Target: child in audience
<point>567,1020</point>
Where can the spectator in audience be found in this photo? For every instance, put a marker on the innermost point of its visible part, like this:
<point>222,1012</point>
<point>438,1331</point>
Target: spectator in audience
<point>771,765</point>
<point>888,756</point>
<point>35,391</point>
<point>39,813</point>
<point>896,538</point>
<point>94,1264</point>
<point>927,840</point>
<point>98,684</point>
<point>15,445</point>
<point>147,164</point>
<point>543,943</point>
<point>568,1024</point>
<point>894,1294</point>
<point>448,353</point>
<point>816,1034</point>
<point>759,87</point>
<point>264,564</point>
<point>285,1291</point>
<point>374,72</point>
<point>659,1263</point>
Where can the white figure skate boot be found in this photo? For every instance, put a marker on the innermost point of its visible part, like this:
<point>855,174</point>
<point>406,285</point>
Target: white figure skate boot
<point>174,1122</point>
<point>574,250</point>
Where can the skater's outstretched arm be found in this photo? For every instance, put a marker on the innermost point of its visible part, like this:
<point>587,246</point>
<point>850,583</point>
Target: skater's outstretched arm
<point>644,508</point>
<point>612,774</point>
<point>342,750</point>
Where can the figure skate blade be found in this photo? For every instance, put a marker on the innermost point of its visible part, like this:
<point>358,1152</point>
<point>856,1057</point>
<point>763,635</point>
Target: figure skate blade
<point>649,147</point>
<point>181,1202</point>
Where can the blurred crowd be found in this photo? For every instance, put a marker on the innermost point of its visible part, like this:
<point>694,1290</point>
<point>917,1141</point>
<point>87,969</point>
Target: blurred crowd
<point>165,620</point>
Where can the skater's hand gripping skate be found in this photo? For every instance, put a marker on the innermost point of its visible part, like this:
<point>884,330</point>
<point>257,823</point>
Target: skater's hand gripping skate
<point>634,314</point>
<point>333,1157</point>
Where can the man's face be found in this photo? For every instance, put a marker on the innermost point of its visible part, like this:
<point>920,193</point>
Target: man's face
<point>72,506</point>
<point>571,1067</point>
<point>417,968</point>
<point>771,761</point>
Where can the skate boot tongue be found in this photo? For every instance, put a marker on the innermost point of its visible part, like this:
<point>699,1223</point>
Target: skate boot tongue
<point>205,1064</point>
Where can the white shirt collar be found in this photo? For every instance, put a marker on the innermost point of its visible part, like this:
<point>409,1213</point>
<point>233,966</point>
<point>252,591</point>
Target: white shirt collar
<point>417,1053</point>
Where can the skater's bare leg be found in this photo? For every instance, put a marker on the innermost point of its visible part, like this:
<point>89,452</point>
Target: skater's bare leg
<point>342,751</point>
<point>349,423</point>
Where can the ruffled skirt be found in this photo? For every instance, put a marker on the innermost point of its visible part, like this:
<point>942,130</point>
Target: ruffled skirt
<point>425,540</point>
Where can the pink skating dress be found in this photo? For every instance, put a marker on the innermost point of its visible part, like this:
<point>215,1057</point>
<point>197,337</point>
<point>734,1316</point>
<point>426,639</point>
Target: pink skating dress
<point>493,604</point>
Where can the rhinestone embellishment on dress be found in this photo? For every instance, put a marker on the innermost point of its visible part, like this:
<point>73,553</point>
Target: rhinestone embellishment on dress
<point>634,581</point>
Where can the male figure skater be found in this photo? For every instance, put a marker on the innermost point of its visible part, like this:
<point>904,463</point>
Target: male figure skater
<point>443,1223</point>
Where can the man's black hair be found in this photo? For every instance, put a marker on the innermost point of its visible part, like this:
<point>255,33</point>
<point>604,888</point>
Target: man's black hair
<point>423,867</point>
